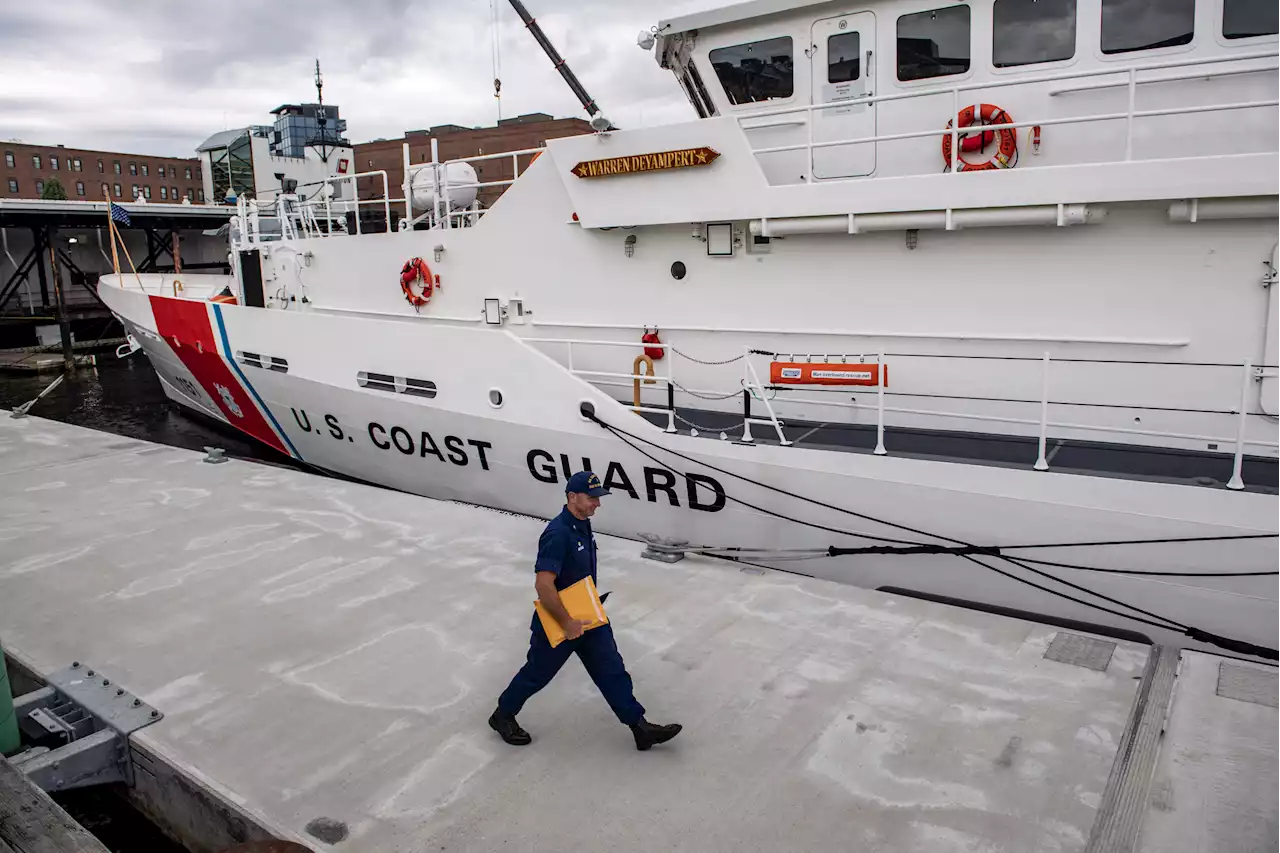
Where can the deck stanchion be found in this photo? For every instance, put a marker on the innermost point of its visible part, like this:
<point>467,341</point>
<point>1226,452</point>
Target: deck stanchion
<point>1237,482</point>
<point>1042,464</point>
<point>880,451</point>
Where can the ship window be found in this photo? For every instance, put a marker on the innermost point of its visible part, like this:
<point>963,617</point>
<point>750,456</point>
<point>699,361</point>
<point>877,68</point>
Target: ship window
<point>756,71</point>
<point>1026,32</point>
<point>844,50</point>
<point>1129,25</point>
<point>1245,18</point>
<point>934,43</point>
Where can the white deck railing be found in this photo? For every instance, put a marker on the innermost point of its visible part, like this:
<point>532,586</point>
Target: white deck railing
<point>753,389</point>
<point>440,215</point>
<point>1129,115</point>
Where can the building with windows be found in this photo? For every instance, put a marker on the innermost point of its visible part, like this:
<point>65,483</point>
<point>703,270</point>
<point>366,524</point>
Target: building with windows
<point>249,162</point>
<point>299,125</point>
<point>531,130</point>
<point>88,175</point>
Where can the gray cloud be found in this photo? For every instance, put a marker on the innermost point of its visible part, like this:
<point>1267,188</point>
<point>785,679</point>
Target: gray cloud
<point>159,76</point>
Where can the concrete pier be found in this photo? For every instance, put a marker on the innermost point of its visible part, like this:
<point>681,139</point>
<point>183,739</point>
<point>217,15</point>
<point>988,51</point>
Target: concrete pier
<point>326,655</point>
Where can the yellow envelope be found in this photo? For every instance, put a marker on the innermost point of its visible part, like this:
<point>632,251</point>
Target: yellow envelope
<point>583,603</point>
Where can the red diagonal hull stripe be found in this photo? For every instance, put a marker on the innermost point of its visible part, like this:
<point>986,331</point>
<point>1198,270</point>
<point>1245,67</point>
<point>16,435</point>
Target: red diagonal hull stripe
<point>185,325</point>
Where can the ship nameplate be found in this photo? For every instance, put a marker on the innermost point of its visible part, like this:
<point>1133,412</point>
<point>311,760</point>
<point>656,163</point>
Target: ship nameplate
<point>632,164</point>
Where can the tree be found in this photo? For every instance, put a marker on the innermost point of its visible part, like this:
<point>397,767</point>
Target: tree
<point>53,191</point>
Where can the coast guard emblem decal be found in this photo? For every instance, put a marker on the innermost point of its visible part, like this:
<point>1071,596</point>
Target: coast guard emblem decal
<point>228,400</point>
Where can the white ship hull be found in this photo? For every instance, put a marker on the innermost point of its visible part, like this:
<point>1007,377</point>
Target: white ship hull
<point>1080,341</point>
<point>458,446</point>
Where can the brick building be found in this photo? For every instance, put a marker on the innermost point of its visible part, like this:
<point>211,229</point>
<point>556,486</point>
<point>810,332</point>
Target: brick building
<point>24,170</point>
<point>513,134</point>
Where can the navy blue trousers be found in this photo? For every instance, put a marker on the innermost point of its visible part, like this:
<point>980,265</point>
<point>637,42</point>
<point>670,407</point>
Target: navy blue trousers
<point>598,653</point>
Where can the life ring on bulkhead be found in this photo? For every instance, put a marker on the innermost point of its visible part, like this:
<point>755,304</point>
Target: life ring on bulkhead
<point>1006,156</point>
<point>416,271</point>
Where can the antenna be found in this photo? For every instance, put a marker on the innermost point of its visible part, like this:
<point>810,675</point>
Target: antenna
<point>323,142</point>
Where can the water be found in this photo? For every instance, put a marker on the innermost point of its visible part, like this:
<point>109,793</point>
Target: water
<point>124,396</point>
<point>115,823</point>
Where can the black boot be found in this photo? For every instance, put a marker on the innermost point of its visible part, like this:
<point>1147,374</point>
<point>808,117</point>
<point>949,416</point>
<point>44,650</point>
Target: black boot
<point>506,725</point>
<point>647,734</point>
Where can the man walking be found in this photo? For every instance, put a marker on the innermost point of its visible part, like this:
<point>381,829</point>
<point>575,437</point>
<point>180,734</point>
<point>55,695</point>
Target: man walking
<point>566,555</point>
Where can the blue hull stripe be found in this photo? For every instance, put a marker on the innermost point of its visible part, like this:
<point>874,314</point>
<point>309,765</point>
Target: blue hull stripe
<point>231,359</point>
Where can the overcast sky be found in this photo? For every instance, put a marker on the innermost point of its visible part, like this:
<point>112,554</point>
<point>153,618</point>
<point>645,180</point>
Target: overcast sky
<point>159,76</point>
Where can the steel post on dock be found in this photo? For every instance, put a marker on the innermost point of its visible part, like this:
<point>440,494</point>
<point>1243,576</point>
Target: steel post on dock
<point>40,238</point>
<point>64,325</point>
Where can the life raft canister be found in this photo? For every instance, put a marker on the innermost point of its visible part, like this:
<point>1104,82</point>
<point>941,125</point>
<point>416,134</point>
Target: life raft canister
<point>415,271</point>
<point>655,353</point>
<point>1006,156</point>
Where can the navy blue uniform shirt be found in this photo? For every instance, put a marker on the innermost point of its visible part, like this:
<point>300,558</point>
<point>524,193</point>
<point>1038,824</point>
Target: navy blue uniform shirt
<point>567,549</point>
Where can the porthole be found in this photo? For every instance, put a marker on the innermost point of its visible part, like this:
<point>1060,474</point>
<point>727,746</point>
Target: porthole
<point>495,398</point>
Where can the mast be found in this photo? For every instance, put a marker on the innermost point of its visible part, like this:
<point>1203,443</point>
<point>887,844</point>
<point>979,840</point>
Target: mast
<point>321,143</point>
<point>599,122</point>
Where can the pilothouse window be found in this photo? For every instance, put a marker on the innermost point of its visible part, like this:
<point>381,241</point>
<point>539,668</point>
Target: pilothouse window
<point>934,43</point>
<point>1245,18</point>
<point>844,50</point>
<point>1129,25</point>
<point>1026,32</point>
<point>756,71</point>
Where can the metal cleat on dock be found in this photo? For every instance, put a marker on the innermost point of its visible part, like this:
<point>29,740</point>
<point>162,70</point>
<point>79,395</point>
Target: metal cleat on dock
<point>663,550</point>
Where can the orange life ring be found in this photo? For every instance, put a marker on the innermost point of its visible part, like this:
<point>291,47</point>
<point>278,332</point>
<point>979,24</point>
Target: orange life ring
<point>1006,156</point>
<point>416,271</point>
